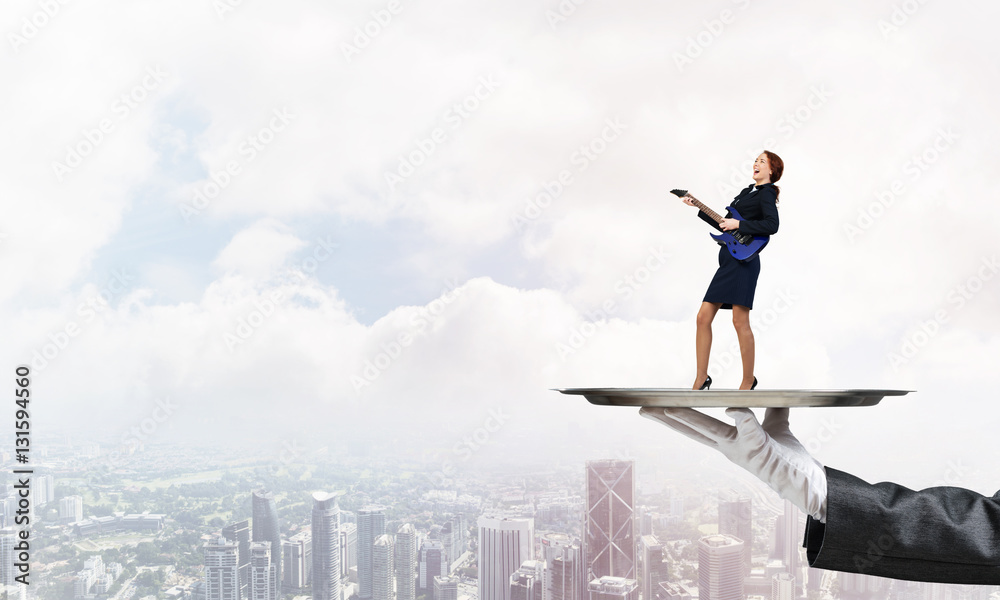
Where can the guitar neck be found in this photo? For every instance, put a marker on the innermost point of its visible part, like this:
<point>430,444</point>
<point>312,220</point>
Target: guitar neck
<point>708,211</point>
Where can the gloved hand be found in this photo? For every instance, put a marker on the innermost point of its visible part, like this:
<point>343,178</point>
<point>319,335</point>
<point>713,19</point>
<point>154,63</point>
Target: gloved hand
<point>770,452</point>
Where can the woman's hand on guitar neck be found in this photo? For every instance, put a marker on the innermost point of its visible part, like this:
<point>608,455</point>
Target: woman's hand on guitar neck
<point>687,200</point>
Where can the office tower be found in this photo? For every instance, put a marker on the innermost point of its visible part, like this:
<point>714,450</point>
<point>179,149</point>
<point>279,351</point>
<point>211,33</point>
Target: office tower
<point>563,567</point>
<point>239,532</point>
<point>791,538</point>
<point>609,540</point>
<point>445,588</point>
<point>645,520</point>
<point>71,509</point>
<point>222,570</point>
<point>7,541</point>
<point>371,524</point>
<point>383,571</point>
<point>458,531</point>
<point>296,560</point>
<point>613,588</point>
<point>348,549</point>
<point>504,543</point>
<point>782,586</point>
<point>668,590</point>
<point>406,563</point>
<point>266,528</point>
<point>736,519</point>
<point>653,569</point>
<point>50,488</point>
<point>720,568</point>
<point>528,581</point>
<point>432,563</point>
<point>263,575</point>
<point>856,586</point>
<point>325,547</point>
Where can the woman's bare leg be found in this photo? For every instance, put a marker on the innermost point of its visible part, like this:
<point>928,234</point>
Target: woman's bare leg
<point>741,321</point>
<point>703,339</point>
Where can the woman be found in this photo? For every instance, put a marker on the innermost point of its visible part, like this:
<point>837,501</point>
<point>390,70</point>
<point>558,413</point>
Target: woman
<point>735,282</point>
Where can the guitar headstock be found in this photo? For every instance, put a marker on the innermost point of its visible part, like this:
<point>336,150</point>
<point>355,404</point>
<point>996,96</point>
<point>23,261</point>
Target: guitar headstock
<point>679,193</point>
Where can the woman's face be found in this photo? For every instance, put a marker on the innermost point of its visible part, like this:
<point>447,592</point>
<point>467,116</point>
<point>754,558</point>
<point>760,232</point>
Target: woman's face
<point>761,170</point>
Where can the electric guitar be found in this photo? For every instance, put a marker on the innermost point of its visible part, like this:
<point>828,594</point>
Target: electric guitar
<point>742,246</point>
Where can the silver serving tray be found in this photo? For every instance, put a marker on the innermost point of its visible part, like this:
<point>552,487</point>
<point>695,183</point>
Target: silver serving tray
<point>725,398</point>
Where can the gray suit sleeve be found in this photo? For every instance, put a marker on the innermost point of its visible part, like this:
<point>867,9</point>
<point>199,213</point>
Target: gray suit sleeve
<point>941,534</point>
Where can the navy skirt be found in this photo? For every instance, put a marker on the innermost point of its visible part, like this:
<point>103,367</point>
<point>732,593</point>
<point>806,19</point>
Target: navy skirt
<point>734,282</point>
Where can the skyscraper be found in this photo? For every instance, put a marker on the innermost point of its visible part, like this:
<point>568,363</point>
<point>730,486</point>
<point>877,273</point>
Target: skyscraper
<point>432,563</point>
<point>736,519</point>
<point>7,541</point>
<point>383,570</point>
<point>445,588</point>
<point>782,586</point>
<point>325,547</point>
<point>221,570</point>
<point>528,582</point>
<point>613,588</point>
<point>720,568</point>
<point>653,568</point>
<point>791,538</point>
<point>348,550</point>
<point>263,576</point>
<point>239,532</point>
<point>504,543</point>
<point>406,563</point>
<point>609,540</point>
<point>563,567</point>
<point>266,528</point>
<point>371,524</point>
<point>71,509</point>
<point>296,560</point>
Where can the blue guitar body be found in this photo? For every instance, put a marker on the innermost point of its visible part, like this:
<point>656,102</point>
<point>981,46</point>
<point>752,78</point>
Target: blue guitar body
<point>742,246</point>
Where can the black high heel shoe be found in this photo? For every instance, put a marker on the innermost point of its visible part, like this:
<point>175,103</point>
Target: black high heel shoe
<point>707,384</point>
<point>754,383</point>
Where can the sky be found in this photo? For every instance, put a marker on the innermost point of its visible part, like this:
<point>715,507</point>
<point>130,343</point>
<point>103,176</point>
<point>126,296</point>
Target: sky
<point>404,223</point>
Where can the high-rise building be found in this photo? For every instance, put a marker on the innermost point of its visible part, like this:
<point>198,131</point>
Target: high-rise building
<point>782,586</point>
<point>406,563</point>
<point>609,540</point>
<point>669,590</point>
<point>263,576</point>
<point>267,529</point>
<point>325,547</point>
<point>653,569</point>
<point>504,543</point>
<point>613,588</point>
<point>348,550</point>
<point>528,581</point>
<point>70,509</point>
<point>736,519</point>
<point>371,524</point>
<point>791,538</point>
<point>383,570</point>
<point>296,558</point>
<point>563,567</point>
<point>239,532</point>
<point>222,580</point>
<point>7,541</point>
<point>432,562</point>
<point>720,568</point>
<point>445,587</point>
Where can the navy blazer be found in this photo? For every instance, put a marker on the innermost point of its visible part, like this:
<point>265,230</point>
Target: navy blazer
<point>942,534</point>
<point>759,210</point>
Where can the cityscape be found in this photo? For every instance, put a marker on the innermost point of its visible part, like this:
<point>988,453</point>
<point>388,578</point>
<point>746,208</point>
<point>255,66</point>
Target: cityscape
<point>131,524</point>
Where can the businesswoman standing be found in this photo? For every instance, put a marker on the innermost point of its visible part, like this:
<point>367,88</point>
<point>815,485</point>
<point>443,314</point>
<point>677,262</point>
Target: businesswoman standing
<point>735,282</point>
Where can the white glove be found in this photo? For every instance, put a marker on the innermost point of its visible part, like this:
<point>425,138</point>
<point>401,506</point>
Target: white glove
<point>770,452</point>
